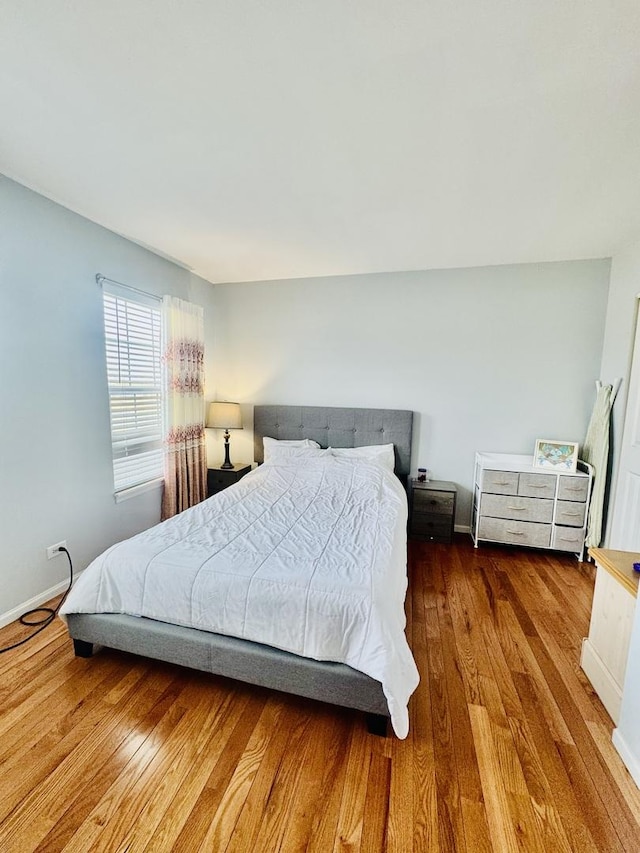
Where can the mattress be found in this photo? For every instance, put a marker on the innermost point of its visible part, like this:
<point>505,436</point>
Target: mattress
<point>307,554</point>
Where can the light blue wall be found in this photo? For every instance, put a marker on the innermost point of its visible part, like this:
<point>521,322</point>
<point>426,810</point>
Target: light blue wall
<point>488,358</point>
<point>55,454</point>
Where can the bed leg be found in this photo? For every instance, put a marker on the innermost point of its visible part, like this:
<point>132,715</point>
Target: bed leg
<point>377,724</point>
<point>82,649</point>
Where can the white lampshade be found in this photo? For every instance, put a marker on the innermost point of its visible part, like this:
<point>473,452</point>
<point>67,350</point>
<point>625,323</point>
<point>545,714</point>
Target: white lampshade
<point>224,416</point>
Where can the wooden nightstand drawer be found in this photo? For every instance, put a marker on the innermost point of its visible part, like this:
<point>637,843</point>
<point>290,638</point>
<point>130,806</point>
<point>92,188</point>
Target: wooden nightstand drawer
<point>433,502</point>
<point>431,526</point>
<point>220,478</point>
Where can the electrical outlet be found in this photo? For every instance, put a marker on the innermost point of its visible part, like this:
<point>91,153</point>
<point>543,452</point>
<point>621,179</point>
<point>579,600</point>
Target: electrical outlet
<point>54,550</point>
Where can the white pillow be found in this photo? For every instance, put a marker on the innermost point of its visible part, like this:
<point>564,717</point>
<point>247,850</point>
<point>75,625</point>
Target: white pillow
<point>289,455</point>
<point>381,454</point>
<point>270,444</point>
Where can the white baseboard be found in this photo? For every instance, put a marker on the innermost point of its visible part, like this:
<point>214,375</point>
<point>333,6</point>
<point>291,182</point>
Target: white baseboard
<point>36,601</point>
<point>462,528</point>
<point>631,762</point>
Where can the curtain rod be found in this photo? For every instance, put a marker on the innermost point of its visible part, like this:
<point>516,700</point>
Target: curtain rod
<point>102,278</point>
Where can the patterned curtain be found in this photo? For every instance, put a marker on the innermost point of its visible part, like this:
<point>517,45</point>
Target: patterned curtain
<point>185,465</point>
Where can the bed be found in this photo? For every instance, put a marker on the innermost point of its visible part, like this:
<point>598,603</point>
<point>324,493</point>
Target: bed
<point>191,547</point>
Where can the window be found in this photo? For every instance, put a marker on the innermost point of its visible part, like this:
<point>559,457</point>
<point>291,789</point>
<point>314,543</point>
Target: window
<point>132,332</point>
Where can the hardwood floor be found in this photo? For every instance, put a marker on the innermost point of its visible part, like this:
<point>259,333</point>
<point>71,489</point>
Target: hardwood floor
<point>509,749</point>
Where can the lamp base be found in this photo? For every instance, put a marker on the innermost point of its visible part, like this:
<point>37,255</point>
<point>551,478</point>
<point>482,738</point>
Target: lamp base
<point>227,462</point>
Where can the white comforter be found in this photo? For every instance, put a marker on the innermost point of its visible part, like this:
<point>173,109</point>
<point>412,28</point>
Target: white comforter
<point>307,555</point>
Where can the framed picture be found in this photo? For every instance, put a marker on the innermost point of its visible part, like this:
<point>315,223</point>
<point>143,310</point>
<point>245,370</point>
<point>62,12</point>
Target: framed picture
<point>558,455</point>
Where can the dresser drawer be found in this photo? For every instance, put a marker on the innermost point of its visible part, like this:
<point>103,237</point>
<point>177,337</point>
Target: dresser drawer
<point>567,538</point>
<point>537,486</point>
<point>573,488</point>
<point>570,513</point>
<point>515,532</point>
<point>500,482</point>
<point>521,509</point>
<point>433,502</point>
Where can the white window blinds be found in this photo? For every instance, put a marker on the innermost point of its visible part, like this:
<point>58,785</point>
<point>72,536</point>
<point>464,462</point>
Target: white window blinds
<point>132,332</point>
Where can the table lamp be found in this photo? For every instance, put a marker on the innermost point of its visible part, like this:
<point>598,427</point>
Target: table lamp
<point>225,416</point>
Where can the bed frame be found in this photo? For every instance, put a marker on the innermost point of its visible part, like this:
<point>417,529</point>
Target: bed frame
<point>242,660</point>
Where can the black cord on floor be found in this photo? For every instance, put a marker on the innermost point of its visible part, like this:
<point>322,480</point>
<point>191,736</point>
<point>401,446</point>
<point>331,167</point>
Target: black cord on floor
<point>50,613</point>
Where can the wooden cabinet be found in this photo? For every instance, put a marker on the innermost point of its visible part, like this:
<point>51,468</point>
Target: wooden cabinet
<point>220,478</point>
<point>432,510</point>
<point>606,649</point>
<point>518,504</point>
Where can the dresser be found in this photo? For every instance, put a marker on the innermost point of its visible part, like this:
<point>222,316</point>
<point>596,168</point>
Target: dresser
<point>606,650</point>
<point>518,504</point>
<point>432,510</point>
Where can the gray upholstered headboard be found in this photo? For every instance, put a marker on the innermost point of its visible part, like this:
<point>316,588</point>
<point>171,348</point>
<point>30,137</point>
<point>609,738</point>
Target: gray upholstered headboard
<point>335,427</point>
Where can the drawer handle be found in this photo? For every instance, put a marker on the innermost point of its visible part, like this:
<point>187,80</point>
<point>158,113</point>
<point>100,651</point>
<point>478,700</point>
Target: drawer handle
<point>516,532</point>
<point>503,483</point>
<point>566,512</point>
<point>539,486</point>
<point>519,508</point>
<point>573,488</point>
<point>569,538</point>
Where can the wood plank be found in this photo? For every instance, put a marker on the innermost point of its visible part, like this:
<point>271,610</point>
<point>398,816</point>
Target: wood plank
<point>601,735</point>
<point>267,744</point>
<point>313,804</point>
<point>548,704</point>
<point>350,819</point>
<point>468,778</point>
<point>508,749</point>
<point>583,760</point>
<point>165,811</point>
<point>44,801</point>
<point>376,807</point>
<point>576,824</point>
<point>44,758</point>
<point>278,806</point>
<point>118,810</point>
<point>501,830</point>
<point>423,805</point>
<point>107,767</point>
<point>199,820</point>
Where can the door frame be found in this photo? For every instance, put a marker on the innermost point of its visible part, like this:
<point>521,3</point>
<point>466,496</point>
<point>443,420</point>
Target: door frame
<point>621,492</point>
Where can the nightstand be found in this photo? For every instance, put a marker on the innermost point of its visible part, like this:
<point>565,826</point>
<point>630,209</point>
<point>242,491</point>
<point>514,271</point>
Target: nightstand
<point>432,510</point>
<point>220,478</point>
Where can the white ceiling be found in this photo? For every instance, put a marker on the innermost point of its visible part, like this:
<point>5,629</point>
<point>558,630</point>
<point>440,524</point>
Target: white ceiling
<point>260,139</point>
